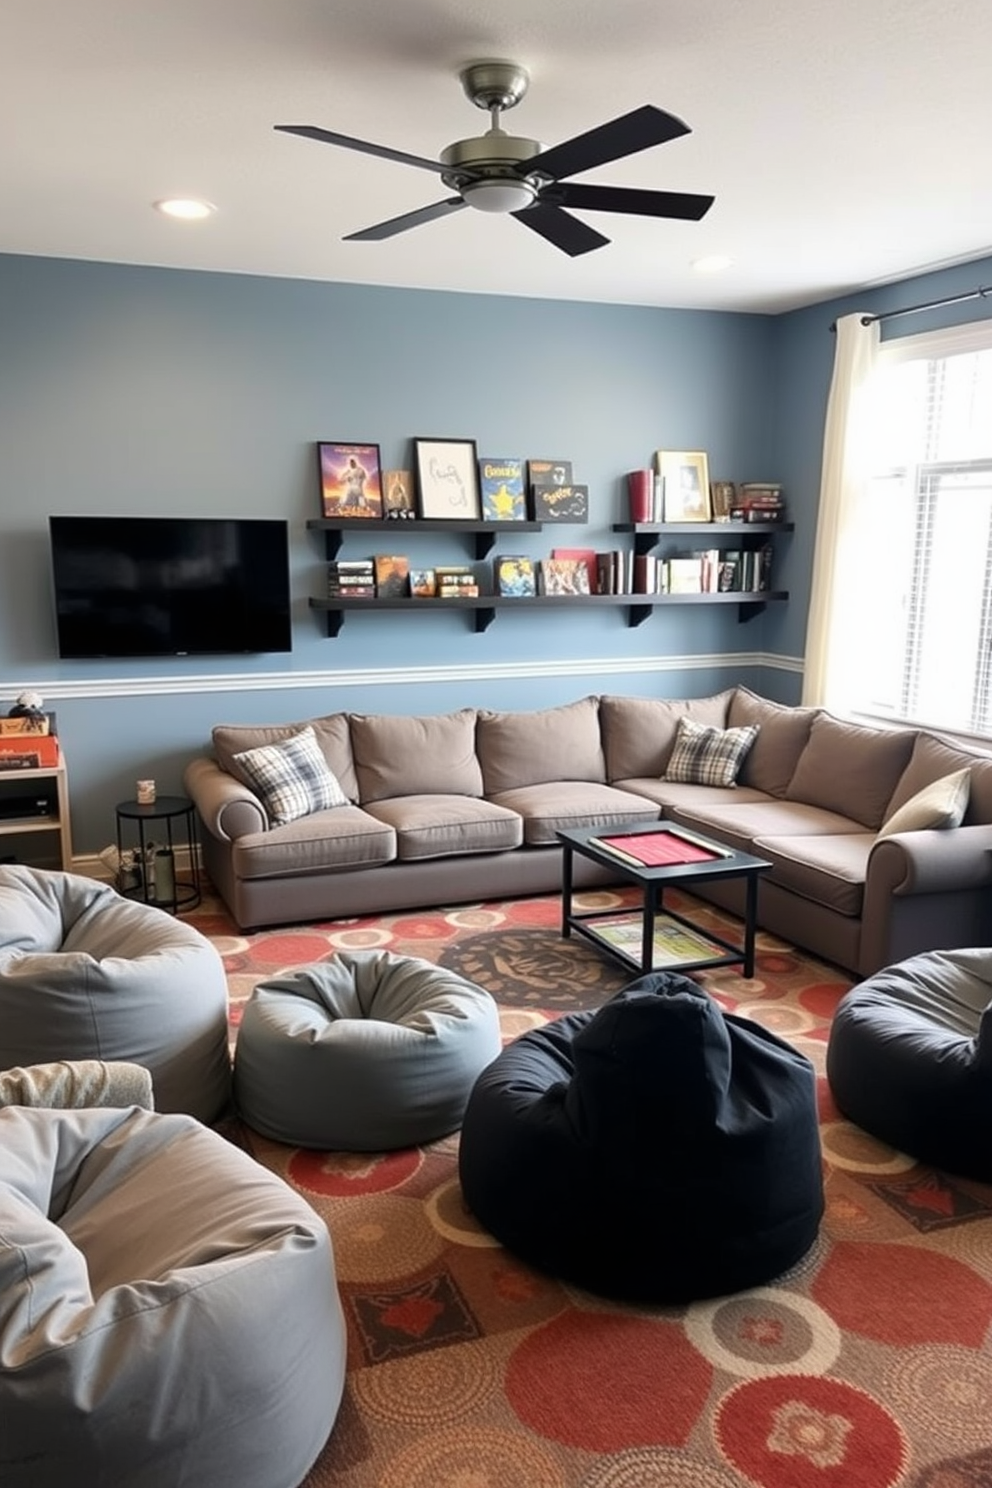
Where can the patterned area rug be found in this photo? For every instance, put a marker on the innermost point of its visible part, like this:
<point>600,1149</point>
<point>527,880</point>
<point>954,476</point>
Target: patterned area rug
<point>867,1366</point>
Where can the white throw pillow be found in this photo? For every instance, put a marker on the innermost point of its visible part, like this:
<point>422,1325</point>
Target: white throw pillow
<point>291,778</point>
<point>942,803</point>
<point>703,755</point>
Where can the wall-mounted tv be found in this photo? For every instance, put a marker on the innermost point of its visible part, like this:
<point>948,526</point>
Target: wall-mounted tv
<point>170,586</point>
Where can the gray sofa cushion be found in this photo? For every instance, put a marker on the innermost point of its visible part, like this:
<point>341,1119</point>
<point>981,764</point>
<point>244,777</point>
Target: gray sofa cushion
<point>783,733</point>
<point>562,804</point>
<point>418,756</point>
<point>741,824</point>
<point>639,733</point>
<point>521,749</point>
<point>443,826</point>
<point>346,837</point>
<point>850,769</point>
<point>331,731</point>
<point>827,870</point>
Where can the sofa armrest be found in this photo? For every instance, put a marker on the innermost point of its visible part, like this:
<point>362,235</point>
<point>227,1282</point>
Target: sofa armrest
<point>925,889</point>
<point>931,862</point>
<point>227,808</point>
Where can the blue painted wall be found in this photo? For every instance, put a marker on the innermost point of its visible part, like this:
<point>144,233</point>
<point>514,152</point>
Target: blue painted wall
<point>148,391</point>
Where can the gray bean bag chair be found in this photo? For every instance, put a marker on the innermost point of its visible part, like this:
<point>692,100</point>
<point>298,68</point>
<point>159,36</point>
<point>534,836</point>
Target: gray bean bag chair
<point>86,974</point>
<point>656,1150</point>
<point>169,1312</point>
<point>909,1058</point>
<point>366,1052</point>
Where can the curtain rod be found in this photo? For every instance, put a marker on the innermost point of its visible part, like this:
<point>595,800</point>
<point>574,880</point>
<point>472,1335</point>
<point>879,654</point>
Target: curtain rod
<point>970,294</point>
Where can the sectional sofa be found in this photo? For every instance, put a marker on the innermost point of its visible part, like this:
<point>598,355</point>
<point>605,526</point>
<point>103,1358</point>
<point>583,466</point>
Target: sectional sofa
<point>397,812</point>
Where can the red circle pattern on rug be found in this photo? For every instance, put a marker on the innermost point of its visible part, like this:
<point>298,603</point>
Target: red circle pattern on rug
<point>346,1175</point>
<point>903,1295</point>
<point>605,1382</point>
<point>797,1431</point>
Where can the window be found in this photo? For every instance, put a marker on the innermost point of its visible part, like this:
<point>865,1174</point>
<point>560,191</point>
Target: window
<point>926,527</point>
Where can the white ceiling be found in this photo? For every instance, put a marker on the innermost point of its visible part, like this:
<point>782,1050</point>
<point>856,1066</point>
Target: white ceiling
<point>846,141</point>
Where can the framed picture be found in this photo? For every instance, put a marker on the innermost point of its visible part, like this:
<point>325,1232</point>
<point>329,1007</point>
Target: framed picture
<point>685,482</point>
<point>397,493</point>
<point>350,480</point>
<point>723,498</point>
<point>448,479</point>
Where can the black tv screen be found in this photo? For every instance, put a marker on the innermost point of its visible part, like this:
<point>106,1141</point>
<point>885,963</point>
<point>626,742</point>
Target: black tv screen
<point>170,586</point>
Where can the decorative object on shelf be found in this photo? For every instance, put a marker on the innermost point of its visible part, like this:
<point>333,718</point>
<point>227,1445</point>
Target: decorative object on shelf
<point>515,576</point>
<point>392,575</point>
<point>564,576</point>
<point>640,495</point>
<point>549,485</point>
<point>586,556</point>
<point>423,583</point>
<point>27,716</point>
<point>560,503</point>
<point>448,479</point>
<point>350,480</point>
<point>723,499</point>
<point>685,485</point>
<point>502,483</point>
<point>397,494</point>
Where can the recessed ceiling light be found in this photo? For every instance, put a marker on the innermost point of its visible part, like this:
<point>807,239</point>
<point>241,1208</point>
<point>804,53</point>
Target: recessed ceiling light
<point>186,207</point>
<point>713,263</point>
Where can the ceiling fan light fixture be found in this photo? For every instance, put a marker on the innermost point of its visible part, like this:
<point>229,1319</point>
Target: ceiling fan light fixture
<point>494,195</point>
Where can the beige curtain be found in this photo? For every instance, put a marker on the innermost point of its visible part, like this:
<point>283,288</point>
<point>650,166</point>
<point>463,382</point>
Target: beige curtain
<point>840,563</point>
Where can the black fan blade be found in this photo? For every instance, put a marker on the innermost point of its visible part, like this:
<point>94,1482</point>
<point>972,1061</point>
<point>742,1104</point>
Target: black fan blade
<point>567,233</point>
<point>639,130</point>
<point>682,204</point>
<point>328,137</point>
<point>403,224</point>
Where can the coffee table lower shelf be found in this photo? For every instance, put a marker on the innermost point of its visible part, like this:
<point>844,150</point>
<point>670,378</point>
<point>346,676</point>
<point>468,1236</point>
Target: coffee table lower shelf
<point>678,944</point>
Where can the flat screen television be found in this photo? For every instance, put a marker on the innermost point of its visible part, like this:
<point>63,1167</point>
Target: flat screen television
<point>170,586</point>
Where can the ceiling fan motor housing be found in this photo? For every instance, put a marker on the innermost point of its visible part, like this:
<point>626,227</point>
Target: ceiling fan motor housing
<point>487,171</point>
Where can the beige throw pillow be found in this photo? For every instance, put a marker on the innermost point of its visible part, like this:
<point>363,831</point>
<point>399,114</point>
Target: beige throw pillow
<point>942,803</point>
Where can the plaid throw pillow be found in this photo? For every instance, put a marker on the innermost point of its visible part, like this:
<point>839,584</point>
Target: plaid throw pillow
<point>291,778</point>
<point>708,756</point>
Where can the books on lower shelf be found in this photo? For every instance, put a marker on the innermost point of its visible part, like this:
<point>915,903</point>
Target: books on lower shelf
<point>675,944</point>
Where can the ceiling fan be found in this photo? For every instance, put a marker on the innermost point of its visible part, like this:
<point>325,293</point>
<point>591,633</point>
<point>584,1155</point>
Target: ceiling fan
<point>499,172</point>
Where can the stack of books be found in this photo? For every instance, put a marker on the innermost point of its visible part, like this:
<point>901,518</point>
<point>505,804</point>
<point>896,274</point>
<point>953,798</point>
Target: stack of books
<point>758,501</point>
<point>351,579</point>
<point>455,581</point>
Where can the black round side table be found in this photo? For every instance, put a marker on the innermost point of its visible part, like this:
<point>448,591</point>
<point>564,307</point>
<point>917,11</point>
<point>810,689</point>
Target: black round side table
<point>159,881</point>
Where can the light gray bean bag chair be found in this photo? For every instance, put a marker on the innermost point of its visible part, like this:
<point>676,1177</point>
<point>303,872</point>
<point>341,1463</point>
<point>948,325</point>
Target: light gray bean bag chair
<point>366,1052</point>
<point>169,1314</point>
<point>86,974</point>
<point>909,1058</point>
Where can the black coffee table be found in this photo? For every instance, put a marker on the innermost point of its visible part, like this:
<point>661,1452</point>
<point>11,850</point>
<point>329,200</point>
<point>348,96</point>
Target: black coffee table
<point>655,938</point>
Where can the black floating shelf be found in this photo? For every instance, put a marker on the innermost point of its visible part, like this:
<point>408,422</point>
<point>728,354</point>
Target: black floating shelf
<point>484,606</point>
<point>485,533</point>
<point>728,534</point>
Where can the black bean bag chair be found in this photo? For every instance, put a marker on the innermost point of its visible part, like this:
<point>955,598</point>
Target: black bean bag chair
<point>909,1059</point>
<point>654,1150</point>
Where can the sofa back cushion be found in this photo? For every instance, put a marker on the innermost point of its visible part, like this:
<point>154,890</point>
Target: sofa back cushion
<point>332,734</point>
<point>851,769</point>
<point>783,735</point>
<point>426,755</point>
<point>639,733</point>
<point>518,749</point>
<point>933,759</point>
